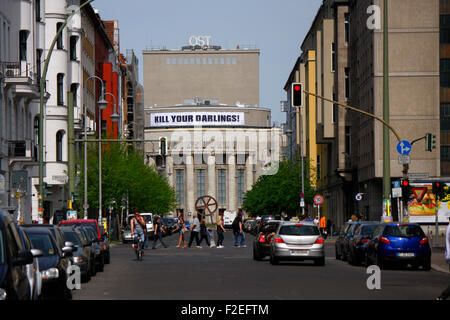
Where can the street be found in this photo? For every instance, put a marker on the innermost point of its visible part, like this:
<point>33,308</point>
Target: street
<point>231,273</point>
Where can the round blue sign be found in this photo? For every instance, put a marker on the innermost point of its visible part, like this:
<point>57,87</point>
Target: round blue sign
<point>404,147</point>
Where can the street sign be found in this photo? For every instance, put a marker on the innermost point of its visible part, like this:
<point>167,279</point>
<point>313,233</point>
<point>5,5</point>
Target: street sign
<point>404,159</point>
<point>396,184</point>
<point>318,199</point>
<point>419,193</point>
<point>396,192</point>
<point>302,203</point>
<point>359,197</point>
<point>418,176</point>
<point>404,147</point>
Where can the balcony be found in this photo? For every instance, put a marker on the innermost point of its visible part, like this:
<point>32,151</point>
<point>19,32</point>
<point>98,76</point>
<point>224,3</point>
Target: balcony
<point>20,149</point>
<point>21,78</point>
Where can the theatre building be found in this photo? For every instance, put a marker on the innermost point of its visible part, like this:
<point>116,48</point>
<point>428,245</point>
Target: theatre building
<point>208,134</point>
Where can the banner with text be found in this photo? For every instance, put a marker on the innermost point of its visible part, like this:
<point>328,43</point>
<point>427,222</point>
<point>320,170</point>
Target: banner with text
<point>190,119</point>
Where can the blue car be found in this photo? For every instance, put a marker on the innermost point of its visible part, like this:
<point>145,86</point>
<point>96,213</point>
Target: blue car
<point>399,243</point>
<point>346,234</point>
<point>357,244</point>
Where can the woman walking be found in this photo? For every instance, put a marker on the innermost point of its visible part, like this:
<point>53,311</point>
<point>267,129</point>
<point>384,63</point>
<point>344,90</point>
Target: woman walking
<point>181,229</point>
<point>220,231</point>
<point>204,233</point>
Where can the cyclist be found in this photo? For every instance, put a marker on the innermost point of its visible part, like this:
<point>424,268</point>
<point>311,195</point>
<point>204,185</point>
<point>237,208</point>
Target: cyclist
<point>138,226</point>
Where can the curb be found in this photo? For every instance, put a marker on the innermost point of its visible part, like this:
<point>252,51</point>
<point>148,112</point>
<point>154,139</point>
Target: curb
<point>439,269</point>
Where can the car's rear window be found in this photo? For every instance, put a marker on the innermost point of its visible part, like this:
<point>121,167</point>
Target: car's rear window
<point>403,231</point>
<point>43,243</point>
<point>299,230</point>
<point>91,226</point>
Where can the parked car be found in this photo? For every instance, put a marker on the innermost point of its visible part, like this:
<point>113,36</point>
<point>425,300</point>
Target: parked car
<point>248,225</point>
<point>345,235</point>
<point>14,284</point>
<point>101,236</point>
<point>81,253</point>
<point>298,242</point>
<point>54,263</point>
<point>357,244</point>
<point>401,243</point>
<point>170,224</point>
<point>126,234</point>
<point>99,259</point>
<point>33,270</point>
<point>262,242</point>
<point>56,232</point>
<point>93,249</point>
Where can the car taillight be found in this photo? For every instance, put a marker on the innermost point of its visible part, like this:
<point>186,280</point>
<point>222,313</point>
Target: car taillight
<point>424,240</point>
<point>262,238</point>
<point>363,240</point>
<point>319,241</point>
<point>279,240</point>
<point>385,240</point>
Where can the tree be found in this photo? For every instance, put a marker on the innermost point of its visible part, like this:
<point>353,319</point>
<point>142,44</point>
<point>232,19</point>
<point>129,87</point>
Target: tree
<point>126,180</point>
<point>278,193</point>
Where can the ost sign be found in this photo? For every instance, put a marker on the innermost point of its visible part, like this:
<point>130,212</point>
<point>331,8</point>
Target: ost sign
<point>200,41</point>
<point>190,119</point>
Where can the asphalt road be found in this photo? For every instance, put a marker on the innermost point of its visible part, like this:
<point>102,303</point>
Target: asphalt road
<point>231,273</point>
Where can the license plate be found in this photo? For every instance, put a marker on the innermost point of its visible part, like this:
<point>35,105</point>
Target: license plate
<point>299,252</point>
<point>406,254</point>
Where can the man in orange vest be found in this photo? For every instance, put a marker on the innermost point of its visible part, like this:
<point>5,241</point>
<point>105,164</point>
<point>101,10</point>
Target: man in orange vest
<point>323,224</point>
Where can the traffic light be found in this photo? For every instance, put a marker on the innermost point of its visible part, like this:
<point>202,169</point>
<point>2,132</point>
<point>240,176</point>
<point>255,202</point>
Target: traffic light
<point>406,190</point>
<point>162,146</point>
<point>47,191</point>
<point>297,94</point>
<point>430,142</point>
<point>438,190</point>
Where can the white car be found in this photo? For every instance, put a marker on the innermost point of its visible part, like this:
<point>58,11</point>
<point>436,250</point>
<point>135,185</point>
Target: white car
<point>228,218</point>
<point>148,221</point>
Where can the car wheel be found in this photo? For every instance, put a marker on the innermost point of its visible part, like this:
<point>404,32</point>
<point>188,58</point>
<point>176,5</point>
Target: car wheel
<point>427,265</point>
<point>256,256</point>
<point>273,260</point>
<point>380,262</point>
<point>320,262</point>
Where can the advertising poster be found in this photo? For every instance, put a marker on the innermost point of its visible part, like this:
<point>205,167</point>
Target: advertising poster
<point>424,211</point>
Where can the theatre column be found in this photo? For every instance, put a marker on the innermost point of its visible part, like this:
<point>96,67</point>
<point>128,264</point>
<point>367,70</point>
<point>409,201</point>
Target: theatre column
<point>190,201</point>
<point>232,200</point>
<point>211,191</point>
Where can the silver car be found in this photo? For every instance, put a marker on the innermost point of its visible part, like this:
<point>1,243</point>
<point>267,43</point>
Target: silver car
<point>297,241</point>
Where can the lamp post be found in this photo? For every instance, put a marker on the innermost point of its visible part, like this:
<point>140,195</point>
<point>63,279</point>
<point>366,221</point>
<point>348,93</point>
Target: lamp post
<point>114,118</point>
<point>102,103</point>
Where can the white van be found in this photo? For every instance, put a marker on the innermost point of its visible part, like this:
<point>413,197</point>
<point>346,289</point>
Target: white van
<point>228,218</point>
<point>148,221</point>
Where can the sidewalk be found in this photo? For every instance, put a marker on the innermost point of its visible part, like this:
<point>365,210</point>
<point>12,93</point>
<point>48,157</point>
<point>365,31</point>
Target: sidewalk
<point>438,262</point>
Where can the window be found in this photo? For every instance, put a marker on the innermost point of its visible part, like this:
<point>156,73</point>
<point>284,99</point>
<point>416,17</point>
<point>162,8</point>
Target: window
<point>240,186</point>
<point>445,116</point>
<point>168,61</point>
<point>221,186</point>
<point>347,140</point>
<point>200,182</point>
<point>335,109</point>
<point>333,56</point>
<point>347,27</point>
<point>37,8</point>
<point>347,83</point>
<point>60,88</point>
<point>23,36</point>
<point>59,41</point>
<point>179,175</point>
<point>59,145</point>
<point>445,28</point>
<point>73,48</point>
<point>318,168</point>
<point>233,60</point>
<point>74,89</point>
<point>174,60</point>
<point>445,73</point>
<point>38,64</point>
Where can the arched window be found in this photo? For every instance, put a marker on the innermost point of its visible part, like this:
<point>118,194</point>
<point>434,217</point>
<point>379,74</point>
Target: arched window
<point>59,145</point>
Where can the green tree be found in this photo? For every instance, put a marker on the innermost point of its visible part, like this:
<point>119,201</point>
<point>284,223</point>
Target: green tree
<point>278,193</point>
<point>126,179</point>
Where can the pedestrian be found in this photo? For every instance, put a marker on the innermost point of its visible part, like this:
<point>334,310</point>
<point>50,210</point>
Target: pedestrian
<point>220,231</point>
<point>362,217</point>
<point>204,233</point>
<point>354,218</point>
<point>157,235</point>
<point>181,228</point>
<point>237,230</point>
<point>323,226</point>
<point>446,293</point>
<point>316,220</point>
<point>195,230</point>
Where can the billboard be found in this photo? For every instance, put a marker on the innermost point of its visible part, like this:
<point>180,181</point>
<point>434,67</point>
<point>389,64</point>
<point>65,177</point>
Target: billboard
<point>190,119</point>
<point>424,211</point>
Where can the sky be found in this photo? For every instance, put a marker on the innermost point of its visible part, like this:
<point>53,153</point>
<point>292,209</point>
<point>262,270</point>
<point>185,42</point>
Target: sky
<point>275,27</point>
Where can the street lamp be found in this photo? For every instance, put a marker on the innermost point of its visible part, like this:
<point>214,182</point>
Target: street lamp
<point>114,118</point>
<point>102,103</point>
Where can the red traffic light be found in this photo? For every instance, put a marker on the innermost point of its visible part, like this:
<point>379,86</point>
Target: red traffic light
<point>405,183</point>
<point>297,88</point>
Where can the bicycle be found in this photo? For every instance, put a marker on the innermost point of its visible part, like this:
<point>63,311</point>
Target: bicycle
<point>139,249</point>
